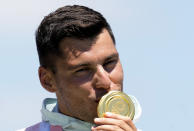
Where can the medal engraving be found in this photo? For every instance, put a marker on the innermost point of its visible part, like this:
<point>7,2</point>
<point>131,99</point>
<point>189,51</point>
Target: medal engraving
<point>116,102</point>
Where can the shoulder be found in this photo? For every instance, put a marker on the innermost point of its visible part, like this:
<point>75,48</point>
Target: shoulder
<point>42,126</point>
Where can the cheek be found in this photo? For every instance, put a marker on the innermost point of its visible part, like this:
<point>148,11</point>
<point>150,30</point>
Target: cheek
<point>117,74</point>
<point>80,89</point>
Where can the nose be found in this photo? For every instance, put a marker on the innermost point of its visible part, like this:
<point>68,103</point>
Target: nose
<point>102,79</point>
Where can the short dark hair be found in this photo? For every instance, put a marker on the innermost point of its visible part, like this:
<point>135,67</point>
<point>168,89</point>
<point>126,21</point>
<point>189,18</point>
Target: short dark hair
<point>75,21</point>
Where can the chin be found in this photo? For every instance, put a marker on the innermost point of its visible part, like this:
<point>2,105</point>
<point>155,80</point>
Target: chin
<point>91,114</point>
<point>89,117</point>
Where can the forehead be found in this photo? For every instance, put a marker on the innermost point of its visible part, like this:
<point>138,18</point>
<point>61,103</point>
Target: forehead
<point>83,50</point>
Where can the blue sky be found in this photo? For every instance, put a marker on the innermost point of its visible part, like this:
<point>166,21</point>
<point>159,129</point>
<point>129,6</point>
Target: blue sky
<point>155,39</point>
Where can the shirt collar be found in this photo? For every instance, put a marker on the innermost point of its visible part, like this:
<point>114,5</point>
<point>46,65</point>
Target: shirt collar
<point>51,114</point>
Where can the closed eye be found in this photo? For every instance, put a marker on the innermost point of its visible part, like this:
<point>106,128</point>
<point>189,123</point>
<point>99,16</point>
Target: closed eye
<point>109,65</point>
<point>84,72</point>
<point>81,70</point>
<point>109,62</point>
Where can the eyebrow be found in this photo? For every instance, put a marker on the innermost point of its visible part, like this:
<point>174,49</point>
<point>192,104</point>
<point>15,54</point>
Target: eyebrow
<point>115,55</point>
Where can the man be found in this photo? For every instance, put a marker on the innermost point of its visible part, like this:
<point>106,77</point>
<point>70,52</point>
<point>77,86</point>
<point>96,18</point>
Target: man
<point>78,62</point>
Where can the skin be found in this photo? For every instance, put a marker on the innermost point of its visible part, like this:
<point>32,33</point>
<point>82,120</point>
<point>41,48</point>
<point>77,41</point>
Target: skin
<point>88,70</point>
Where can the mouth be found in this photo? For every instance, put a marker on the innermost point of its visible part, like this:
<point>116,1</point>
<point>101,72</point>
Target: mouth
<point>97,100</point>
<point>99,94</point>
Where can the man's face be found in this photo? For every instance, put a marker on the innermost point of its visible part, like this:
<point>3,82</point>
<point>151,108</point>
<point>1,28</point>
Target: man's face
<point>85,75</point>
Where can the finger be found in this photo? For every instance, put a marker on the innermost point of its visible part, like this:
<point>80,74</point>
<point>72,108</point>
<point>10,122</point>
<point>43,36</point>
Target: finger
<point>116,116</point>
<point>120,117</point>
<point>113,122</point>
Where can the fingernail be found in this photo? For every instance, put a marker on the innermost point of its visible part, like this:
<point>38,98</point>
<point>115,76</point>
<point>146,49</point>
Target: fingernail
<point>96,119</point>
<point>108,114</point>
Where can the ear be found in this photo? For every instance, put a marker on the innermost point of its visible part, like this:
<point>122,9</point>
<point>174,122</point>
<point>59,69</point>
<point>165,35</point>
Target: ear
<point>47,79</point>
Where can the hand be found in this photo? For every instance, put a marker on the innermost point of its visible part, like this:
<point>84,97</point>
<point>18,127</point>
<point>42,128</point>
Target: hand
<point>114,122</point>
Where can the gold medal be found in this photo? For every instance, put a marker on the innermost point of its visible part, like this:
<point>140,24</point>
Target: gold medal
<point>116,102</point>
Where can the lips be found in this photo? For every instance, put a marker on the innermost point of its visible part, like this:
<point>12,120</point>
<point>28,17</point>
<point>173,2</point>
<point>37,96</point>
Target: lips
<point>99,94</point>
<point>97,100</point>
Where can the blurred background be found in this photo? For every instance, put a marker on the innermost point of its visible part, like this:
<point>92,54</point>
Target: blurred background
<point>155,39</point>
